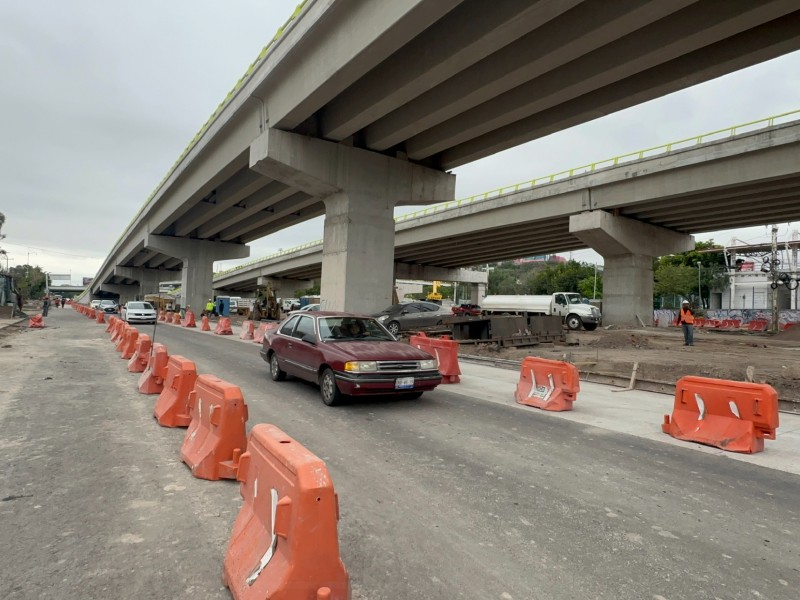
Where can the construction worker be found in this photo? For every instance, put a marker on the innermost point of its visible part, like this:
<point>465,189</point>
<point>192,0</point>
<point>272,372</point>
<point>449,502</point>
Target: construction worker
<point>686,321</point>
<point>210,307</point>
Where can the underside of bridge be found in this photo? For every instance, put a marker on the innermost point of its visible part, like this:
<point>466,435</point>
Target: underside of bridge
<point>363,106</point>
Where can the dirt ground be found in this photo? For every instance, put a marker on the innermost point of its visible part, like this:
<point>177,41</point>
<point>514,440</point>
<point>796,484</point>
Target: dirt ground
<point>662,357</point>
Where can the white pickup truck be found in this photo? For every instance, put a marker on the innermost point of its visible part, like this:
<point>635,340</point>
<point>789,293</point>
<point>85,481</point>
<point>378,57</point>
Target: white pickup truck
<point>565,304</point>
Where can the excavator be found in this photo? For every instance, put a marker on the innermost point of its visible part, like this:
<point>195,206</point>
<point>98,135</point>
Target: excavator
<point>434,295</point>
<point>265,306</point>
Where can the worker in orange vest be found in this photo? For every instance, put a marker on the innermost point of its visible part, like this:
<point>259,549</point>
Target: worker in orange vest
<point>686,321</point>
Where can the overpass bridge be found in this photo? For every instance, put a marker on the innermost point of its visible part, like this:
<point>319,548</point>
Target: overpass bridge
<point>357,107</point>
<point>686,187</point>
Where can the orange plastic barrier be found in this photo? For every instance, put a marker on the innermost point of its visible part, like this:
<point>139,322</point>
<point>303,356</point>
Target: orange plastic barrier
<point>36,322</point>
<point>118,331</point>
<point>162,315</point>
<point>123,332</point>
<point>713,323</point>
<point>444,350</point>
<point>128,347</point>
<point>140,358</point>
<point>758,325</point>
<point>176,318</point>
<point>152,379</point>
<point>216,436</point>
<point>224,326</point>
<point>189,320</point>
<point>204,324</point>
<point>789,325</point>
<point>172,407</point>
<point>547,384</point>
<point>284,542</point>
<point>732,415</point>
<point>263,328</point>
<point>91,313</point>
<point>699,322</point>
<point>111,322</point>
<point>99,316</point>
<point>248,327</point>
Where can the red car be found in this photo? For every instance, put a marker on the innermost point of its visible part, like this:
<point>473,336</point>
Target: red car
<point>464,310</point>
<point>347,355</point>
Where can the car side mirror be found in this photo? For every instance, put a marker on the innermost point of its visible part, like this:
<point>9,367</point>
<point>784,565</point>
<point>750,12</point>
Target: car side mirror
<point>310,338</point>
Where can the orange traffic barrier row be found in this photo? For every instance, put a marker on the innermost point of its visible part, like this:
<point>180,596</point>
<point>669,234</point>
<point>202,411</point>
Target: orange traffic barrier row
<point>173,405</point>
<point>547,384</point>
<point>141,356</point>
<point>284,542</point>
<point>758,325</point>
<point>732,415</point>
<point>248,328</point>
<point>223,326</point>
<point>444,350</point>
<point>36,322</point>
<point>152,378</point>
<point>216,436</point>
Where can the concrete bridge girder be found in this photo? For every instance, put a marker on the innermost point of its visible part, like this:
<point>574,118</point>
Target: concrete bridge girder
<point>360,190</point>
<point>628,248</point>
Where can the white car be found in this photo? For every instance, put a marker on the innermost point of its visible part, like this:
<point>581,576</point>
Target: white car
<point>139,312</point>
<point>306,308</point>
<point>94,304</point>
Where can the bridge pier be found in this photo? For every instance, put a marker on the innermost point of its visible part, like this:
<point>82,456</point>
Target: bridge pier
<point>628,248</point>
<point>198,257</point>
<point>360,190</point>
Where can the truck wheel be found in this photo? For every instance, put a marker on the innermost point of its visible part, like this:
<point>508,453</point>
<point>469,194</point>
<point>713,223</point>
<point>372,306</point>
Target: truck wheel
<point>590,326</point>
<point>573,322</point>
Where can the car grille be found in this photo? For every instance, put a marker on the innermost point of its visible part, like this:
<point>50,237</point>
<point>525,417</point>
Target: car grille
<point>398,366</point>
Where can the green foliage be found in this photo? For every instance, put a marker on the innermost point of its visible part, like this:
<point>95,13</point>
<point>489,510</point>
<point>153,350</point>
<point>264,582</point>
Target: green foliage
<point>30,281</point>
<point>545,278</point>
<point>691,274</point>
<point>311,291</point>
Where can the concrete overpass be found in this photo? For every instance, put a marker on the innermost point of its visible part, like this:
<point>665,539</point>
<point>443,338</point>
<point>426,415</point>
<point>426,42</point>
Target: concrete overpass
<point>628,212</point>
<point>357,107</point>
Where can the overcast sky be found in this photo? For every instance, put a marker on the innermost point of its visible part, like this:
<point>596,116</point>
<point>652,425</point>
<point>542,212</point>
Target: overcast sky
<point>99,98</point>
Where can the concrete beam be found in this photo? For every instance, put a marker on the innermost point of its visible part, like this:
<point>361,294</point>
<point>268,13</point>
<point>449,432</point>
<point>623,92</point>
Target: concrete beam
<point>125,292</point>
<point>429,273</point>
<point>611,235</point>
<point>148,279</point>
<point>321,168</point>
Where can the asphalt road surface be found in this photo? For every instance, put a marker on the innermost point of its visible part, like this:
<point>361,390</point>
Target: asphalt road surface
<point>443,497</point>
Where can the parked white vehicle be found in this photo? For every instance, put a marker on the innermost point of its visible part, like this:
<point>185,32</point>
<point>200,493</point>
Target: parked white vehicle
<point>139,312</point>
<point>569,306</point>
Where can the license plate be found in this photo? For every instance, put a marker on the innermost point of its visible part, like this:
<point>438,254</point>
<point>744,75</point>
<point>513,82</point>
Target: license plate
<point>404,383</point>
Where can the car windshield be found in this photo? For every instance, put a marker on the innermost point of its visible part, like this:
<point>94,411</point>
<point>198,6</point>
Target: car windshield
<point>573,298</point>
<point>139,306</point>
<point>352,328</point>
<point>107,303</point>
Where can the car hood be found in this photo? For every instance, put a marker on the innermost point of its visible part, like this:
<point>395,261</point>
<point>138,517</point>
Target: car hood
<point>363,350</point>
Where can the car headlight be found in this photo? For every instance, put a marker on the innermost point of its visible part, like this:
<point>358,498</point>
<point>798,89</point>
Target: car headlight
<point>382,318</point>
<point>429,364</point>
<point>361,366</point>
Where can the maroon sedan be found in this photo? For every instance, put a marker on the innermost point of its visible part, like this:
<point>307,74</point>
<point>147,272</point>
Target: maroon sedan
<point>347,355</point>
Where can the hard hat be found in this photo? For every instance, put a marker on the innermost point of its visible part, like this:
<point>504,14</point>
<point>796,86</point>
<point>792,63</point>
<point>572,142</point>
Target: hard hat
<point>685,302</point>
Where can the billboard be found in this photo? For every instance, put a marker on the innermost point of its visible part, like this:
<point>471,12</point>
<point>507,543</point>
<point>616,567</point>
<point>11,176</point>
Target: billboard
<point>87,280</point>
<point>57,277</point>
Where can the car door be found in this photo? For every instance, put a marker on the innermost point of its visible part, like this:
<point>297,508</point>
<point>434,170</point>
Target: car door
<point>302,358</point>
<point>429,315</point>
<point>409,316</point>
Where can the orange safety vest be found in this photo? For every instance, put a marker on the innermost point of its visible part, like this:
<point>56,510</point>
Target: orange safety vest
<point>687,317</point>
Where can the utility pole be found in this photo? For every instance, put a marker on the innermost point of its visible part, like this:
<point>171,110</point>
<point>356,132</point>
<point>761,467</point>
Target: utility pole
<point>774,272</point>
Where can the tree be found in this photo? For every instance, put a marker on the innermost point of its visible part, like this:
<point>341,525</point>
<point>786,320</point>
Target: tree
<point>675,280</point>
<point>30,281</point>
<point>571,276</point>
<point>690,274</point>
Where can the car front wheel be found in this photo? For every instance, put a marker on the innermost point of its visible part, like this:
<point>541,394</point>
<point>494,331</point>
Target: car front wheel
<point>275,370</point>
<point>393,327</point>
<point>328,389</point>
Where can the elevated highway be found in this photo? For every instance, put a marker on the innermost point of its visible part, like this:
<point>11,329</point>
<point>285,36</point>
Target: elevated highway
<point>356,107</point>
<point>752,178</point>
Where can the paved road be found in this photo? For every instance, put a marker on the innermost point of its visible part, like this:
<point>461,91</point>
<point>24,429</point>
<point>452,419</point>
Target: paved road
<point>444,497</point>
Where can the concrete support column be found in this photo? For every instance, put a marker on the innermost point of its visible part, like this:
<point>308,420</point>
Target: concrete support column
<point>360,190</point>
<point>628,248</point>
<point>478,293</point>
<point>198,257</point>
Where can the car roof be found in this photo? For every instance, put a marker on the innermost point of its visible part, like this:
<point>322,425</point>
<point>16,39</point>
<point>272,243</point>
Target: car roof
<point>332,313</point>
